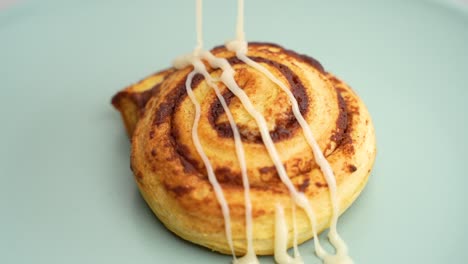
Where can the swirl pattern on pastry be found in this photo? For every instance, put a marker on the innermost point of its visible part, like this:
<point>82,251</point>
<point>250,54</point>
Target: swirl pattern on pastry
<point>172,177</point>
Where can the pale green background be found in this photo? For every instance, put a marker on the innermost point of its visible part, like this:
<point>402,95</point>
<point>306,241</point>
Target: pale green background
<point>66,191</point>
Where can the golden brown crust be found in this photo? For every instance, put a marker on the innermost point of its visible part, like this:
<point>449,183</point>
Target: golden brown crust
<point>172,178</point>
<point>131,100</point>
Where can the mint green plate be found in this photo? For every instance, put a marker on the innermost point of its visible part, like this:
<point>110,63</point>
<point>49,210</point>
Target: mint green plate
<point>66,191</point>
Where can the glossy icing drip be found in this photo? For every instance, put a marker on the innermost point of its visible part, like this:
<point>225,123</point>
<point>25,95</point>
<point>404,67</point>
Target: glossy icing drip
<point>199,16</point>
<point>199,67</point>
<point>239,46</point>
<point>281,240</point>
<point>296,249</point>
<point>250,257</point>
<point>209,169</point>
<point>227,77</point>
<point>240,34</point>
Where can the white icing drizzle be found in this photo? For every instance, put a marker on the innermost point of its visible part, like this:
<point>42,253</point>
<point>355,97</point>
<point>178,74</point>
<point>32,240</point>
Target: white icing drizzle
<point>250,257</point>
<point>240,34</point>
<point>209,169</point>
<point>199,16</point>
<point>281,239</point>
<point>227,77</point>
<point>240,47</point>
<point>341,249</point>
<point>199,67</point>
<point>296,249</point>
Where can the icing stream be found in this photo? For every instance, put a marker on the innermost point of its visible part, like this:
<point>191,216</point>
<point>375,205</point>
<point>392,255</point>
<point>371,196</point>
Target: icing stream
<point>281,240</point>
<point>239,46</point>
<point>199,67</point>
<point>209,169</point>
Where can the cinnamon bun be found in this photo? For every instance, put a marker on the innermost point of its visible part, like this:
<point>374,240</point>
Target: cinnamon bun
<point>172,177</point>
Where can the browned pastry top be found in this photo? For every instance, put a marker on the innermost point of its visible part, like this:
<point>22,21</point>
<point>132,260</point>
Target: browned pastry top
<point>173,178</point>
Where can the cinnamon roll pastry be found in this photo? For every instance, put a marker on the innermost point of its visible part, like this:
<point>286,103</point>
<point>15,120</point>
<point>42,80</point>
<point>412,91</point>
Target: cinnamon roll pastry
<point>172,176</point>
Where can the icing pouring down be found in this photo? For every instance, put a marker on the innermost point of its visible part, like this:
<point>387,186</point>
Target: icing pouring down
<point>239,46</point>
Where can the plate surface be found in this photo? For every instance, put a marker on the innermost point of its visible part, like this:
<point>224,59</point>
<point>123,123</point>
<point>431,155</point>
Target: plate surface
<point>66,191</point>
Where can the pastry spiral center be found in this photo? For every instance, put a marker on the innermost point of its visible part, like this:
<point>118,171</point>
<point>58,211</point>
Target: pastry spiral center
<point>267,98</point>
